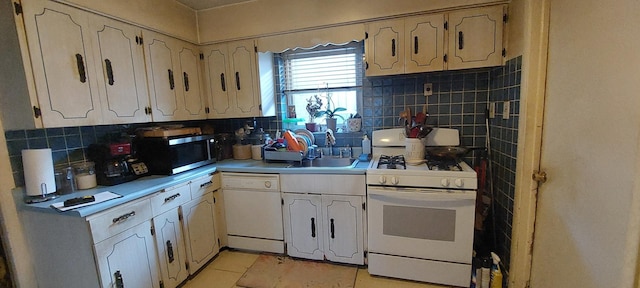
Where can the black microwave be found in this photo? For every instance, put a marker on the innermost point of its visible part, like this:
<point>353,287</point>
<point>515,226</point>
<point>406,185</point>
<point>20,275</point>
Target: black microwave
<point>172,155</point>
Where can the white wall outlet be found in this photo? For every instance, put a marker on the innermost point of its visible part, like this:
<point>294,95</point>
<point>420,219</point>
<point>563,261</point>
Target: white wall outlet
<point>492,110</point>
<point>506,107</point>
<point>428,89</point>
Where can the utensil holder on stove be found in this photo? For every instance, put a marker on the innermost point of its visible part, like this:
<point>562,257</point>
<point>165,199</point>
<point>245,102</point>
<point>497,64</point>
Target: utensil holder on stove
<point>414,149</point>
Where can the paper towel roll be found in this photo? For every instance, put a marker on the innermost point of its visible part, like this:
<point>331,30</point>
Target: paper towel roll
<point>38,172</point>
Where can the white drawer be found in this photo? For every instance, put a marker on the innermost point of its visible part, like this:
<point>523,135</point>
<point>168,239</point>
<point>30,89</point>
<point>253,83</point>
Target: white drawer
<point>251,181</point>
<point>205,184</point>
<point>324,184</point>
<point>169,198</point>
<point>117,219</point>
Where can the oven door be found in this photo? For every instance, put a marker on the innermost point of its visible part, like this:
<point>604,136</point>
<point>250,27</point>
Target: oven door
<point>421,223</point>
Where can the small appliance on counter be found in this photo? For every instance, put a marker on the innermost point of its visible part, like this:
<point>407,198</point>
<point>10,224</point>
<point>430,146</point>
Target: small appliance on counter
<point>115,163</point>
<point>175,153</point>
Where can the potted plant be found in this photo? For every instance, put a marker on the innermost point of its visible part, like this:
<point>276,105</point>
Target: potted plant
<point>314,104</point>
<point>331,114</point>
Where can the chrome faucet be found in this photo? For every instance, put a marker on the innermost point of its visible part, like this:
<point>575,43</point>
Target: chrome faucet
<point>330,141</point>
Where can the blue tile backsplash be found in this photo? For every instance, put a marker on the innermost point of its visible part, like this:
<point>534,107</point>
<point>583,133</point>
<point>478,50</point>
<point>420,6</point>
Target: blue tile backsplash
<point>459,100</point>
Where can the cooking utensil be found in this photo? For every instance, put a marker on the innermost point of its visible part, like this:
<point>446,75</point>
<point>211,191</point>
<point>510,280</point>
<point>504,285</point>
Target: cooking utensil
<point>449,152</point>
<point>424,130</point>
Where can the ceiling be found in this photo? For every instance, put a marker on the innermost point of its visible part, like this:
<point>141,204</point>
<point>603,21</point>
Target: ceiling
<point>206,4</point>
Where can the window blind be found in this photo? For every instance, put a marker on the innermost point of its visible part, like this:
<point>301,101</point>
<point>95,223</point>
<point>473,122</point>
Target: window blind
<point>319,69</point>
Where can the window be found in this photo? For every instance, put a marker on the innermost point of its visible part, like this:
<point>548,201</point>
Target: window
<point>333,73</point>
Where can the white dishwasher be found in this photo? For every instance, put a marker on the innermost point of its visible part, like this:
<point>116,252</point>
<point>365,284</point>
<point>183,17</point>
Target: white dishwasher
<point>254,211</point>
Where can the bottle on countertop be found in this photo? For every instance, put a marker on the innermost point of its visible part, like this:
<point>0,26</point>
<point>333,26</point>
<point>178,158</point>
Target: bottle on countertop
<point>366,145</point>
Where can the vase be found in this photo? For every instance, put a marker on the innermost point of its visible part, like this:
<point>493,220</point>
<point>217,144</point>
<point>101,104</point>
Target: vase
<point>332,123</point>
<point>311,127</point>
<point>354,124</point>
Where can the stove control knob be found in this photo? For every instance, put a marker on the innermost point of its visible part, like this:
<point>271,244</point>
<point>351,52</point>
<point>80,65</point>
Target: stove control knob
<point>382,179</point>
<point>444,182</point>
<point>394,180</point>
<point>267,184</point>
<point>459,183</point>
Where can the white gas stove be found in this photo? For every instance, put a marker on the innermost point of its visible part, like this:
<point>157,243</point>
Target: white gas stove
<point>421,212</point>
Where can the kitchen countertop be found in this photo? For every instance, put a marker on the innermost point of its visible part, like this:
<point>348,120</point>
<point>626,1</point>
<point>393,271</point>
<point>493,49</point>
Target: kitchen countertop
<point>150,184</point>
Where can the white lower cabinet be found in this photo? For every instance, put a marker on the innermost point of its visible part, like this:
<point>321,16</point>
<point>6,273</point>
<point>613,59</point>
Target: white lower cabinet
<point>199,227</point>
<point>128,259</point>
<point>171,250</point>
<point>320,223</point>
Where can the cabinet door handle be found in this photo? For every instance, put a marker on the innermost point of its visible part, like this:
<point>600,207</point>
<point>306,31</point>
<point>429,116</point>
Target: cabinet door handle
<point>460,40</point>
<point>223,83</point>
<point>313,227</point>
<point>118,279</point>
<point>172,197</point>
<point>206,184</point>
<point>170,251</point>
<point>415,45</point>
<point>333,229</point>
<point>171,84</point>
<point>81,71</point>
<point>238,80</point>
<point>107,64</point>
<point>186,81</point>
<point>123,217</point>
<point>393,47</point>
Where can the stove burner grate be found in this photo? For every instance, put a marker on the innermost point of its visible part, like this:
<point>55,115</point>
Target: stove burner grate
<point>444,165</point>
<point>392,162</point>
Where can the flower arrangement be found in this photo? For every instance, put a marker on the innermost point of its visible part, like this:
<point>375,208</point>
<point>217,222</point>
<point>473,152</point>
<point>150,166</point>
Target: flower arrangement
<point>314,104</point>
<point>330,113</point>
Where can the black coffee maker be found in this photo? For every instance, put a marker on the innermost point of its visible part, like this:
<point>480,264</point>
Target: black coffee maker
<point>115,163</point>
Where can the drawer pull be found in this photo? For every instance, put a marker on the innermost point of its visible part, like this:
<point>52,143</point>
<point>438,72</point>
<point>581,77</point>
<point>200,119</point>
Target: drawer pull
<point>124,217</point>
<point>118,279</point>
<point>172,197</point>
<point>206,184</point>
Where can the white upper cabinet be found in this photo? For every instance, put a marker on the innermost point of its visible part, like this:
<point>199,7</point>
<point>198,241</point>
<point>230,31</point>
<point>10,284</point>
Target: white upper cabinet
<point>60,47</point>
<point>475,38</point>
<point>424,43</point>
<point>173,74</point>
<point>216,80</point>
<point>462,39</point>
<point>239,81</point>
<point>121,73</point>
<point>384,55</point>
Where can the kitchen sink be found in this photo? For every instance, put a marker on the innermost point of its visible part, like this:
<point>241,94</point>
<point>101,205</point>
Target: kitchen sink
<point>329,162</point>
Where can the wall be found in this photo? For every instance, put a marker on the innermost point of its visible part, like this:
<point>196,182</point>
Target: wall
<point>264,17</point>
<point>167,16</point>
<point>505,86</point>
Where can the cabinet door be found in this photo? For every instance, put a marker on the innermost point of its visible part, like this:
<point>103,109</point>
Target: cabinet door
<point>194,102</point>
<point>60,49</point>
<point>220,219</point>
<point>128,259</point>
<point>303,225</point>
<point>162,76</point>
<point>121,75</point>
<point>170,245</point>
<point>343,229</point>
<point>246,97</point>
<point>199,231</point>
<point>424,44</point>
<point>383,48</point>
<point>475,38</point>
<point>217,80</point>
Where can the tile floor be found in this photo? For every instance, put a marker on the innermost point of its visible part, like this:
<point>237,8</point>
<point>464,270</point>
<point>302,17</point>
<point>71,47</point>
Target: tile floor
<point>227,268</point>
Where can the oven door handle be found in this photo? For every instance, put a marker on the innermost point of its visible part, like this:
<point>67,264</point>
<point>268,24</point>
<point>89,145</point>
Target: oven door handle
<point>439,199</point>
